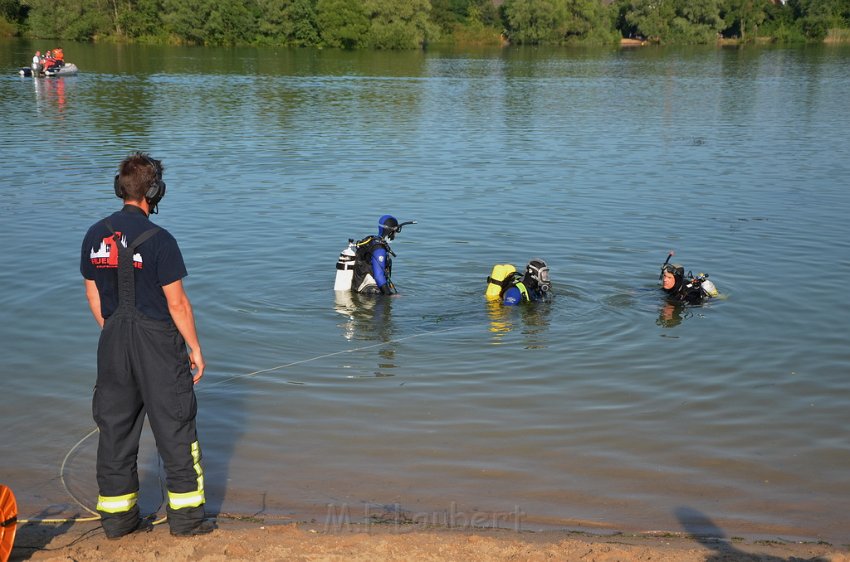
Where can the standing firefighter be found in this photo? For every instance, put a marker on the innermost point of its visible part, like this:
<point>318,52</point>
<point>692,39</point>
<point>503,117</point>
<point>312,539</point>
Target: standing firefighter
<point>133,274</point>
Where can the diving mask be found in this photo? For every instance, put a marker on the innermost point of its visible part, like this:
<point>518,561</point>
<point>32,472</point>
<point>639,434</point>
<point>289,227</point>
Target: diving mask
<point>539,271</point>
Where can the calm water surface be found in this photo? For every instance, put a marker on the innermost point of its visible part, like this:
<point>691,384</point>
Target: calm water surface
<point>603,410</point>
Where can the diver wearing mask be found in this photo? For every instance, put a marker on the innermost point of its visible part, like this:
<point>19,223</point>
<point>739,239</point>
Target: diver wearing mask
<point>685,289</point>
<point>373,264</point>
<point>532,286</point>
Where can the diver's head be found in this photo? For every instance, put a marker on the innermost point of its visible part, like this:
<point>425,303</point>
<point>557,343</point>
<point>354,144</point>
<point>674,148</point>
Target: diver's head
<point>672,277</point>
<point>387,227</point>
<point>537,275</point>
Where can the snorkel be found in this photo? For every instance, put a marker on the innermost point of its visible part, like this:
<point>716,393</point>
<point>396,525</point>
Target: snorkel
<point>388,227</point>
<point>664,265</point>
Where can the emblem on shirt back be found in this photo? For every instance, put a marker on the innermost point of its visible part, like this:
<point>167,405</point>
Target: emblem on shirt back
<point>104,257</point>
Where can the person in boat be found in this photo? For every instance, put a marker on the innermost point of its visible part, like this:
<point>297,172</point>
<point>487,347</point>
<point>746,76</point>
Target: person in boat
<point>147,352</point>
<point>36,63</point>
<point>373,263</point>
<point>512,288</point>
<point>685,289</point>
<point>49,61</point>
<point>59,56</point>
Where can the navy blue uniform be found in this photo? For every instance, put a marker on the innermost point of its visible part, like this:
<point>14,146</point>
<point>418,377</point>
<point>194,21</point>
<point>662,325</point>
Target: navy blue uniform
<point>163,264</point>
<point>143,368</point>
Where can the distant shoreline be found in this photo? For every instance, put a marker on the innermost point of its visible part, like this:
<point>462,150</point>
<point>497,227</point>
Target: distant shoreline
<point>835,37</point>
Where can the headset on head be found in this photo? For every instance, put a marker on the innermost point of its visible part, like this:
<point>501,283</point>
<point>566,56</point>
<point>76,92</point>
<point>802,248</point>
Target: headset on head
<point>156,190</point>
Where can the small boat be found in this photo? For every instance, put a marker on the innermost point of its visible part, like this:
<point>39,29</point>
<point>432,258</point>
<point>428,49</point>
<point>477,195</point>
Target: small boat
<point>67,69</point>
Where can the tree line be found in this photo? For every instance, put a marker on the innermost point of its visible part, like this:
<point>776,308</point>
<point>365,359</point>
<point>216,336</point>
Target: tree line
<point>414,24</point>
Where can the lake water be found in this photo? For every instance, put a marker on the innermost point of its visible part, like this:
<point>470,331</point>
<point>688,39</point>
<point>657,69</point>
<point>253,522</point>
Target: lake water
<point>603,410</point>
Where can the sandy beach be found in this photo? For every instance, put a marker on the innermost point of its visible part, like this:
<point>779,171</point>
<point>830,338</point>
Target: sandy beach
<point>254,539</point>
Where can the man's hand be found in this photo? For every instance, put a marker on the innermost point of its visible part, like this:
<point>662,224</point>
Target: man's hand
<point>181,312</point>
<point>196,363</point>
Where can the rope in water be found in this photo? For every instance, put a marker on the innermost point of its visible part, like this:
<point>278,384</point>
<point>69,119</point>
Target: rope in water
<point>96,516</point>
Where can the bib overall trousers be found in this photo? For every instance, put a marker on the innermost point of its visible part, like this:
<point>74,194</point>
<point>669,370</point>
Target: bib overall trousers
<point>143,369</point>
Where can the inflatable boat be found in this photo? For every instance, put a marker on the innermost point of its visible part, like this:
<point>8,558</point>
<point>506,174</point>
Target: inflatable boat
<point>67,69</point>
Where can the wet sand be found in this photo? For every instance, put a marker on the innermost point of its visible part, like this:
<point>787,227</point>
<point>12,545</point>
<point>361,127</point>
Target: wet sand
<point>256,539</point>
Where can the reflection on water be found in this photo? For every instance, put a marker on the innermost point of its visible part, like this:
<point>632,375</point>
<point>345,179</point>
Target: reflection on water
<point>671,315</point>
<point>50,96</point>
<point>532,318</point>
<point>535,323</point>
<point>369,318</point>
<point>501,319</point>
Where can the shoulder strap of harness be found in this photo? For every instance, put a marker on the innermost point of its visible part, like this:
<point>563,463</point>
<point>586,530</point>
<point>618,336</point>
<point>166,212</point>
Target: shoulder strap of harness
<point>523,290</point>
<point>512,280</point>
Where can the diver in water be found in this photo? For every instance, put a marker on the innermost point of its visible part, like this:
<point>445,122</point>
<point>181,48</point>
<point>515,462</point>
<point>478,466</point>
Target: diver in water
<point>373,263</point>
<point>687,289</point>
<point>532,286</point>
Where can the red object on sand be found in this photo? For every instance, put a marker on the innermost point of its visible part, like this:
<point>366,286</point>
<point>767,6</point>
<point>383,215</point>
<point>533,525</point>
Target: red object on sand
<point>8,521</point>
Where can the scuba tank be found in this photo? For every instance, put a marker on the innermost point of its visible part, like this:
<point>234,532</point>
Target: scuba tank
<point>707,286</point>
<point>345,267</point>
<point>502,273</point>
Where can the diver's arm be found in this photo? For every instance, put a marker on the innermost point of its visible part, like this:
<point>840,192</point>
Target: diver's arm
<point>512,297</point>
<point>379,262</point>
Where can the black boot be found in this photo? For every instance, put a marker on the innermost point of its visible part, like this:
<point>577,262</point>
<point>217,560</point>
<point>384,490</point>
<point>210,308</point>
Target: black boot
<point>204,527</point>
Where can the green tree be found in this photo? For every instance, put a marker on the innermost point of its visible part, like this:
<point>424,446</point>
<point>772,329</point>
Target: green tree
<point>670,21</point>
<point>12,11</point>
<point>299,23</point>
<point>651,18</point>
<point>589,21</point>
<point>184,19</point>
<point>745,16</point>
<point>213,22</point>
<point>79,20</point>
<point>696,21</point>
<point>271,16</point>
<point>448,13</point>
<point>140,19</point>
<point>399,24</point>
<point>815,18</point>
<point>342,23</point>
<point>230,22</point>
<point>533,22</point>
<point>12,15</point>
<point>781,25</point>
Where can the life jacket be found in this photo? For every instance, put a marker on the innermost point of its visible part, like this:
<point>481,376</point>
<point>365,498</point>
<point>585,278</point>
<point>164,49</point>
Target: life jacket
<point>363,262</point>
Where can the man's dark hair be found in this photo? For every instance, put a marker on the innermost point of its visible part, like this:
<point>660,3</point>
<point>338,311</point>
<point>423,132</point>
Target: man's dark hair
<point>136,174</point>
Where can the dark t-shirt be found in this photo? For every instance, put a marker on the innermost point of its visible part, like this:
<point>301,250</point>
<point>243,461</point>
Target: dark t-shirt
<point>157,262</point>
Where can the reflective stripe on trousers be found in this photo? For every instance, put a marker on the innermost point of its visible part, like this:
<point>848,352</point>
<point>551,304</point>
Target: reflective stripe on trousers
<point>117,504</point>
<point>194,498</point>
